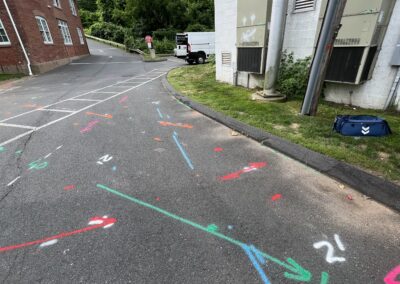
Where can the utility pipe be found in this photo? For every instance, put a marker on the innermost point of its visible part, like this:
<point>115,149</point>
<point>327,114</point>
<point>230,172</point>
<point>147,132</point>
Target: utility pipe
<point>275,43</point>
<point>392,95</point>
<point>19,38</point>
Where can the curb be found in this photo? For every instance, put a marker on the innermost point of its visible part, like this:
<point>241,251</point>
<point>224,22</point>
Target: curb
<point>374,187</point>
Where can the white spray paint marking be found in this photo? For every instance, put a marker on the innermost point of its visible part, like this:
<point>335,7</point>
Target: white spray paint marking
<point>48,155</point>
<point>330,258</point>
<point>339,242</point>
<point>49,243</point>
<point>59,147</point>
<point>104,159</point>
<point>13,181</point>
<point>156,103</point>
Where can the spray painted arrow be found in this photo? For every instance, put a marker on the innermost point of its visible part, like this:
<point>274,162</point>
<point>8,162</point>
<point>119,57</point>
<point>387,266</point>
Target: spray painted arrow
<point>297,272</point>
<point>392,276</point>
<point>94,223</point>
<point>250,168</point>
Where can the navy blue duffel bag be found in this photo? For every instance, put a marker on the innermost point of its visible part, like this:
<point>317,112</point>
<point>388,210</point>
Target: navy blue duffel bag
<point>361,125</point>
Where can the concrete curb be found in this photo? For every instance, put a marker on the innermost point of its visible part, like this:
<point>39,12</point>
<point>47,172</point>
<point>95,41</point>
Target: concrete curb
<point>377,188</point>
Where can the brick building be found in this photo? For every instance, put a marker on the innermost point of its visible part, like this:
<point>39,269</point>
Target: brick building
<point>50,31</point>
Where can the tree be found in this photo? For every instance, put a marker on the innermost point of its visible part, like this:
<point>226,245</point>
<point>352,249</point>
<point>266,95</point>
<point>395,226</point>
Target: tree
<point>105,9</point>
<point>88,5</point>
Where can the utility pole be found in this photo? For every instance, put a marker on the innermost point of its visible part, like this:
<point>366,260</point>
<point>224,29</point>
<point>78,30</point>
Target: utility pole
<point>329,30</point>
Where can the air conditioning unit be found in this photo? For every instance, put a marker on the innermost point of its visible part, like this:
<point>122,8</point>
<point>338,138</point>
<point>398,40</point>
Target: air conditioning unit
<point>253,17</point>
<point>357,45</point>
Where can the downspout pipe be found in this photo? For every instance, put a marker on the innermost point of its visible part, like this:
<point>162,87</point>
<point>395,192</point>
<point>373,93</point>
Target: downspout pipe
<point>28,62</point>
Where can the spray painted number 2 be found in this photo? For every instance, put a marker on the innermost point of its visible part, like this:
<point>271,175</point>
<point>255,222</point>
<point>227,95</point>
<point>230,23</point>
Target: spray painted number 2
<point>330,258</point>
<point>104,159</point>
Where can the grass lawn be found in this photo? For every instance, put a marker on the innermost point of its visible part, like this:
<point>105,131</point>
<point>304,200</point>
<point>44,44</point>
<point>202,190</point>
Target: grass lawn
<point>4,77</point>
<point>380,156</point>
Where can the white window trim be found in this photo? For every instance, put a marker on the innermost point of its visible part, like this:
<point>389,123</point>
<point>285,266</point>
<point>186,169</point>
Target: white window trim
<point>303,10</point>
<point>63,26</point>
<point>57,3</point>
<point>73,7</point>
<point>8,42</point>
<point>80,35</point>
<point>47,39</point>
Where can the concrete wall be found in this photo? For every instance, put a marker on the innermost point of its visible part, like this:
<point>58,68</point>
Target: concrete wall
<point>374,92</point>
<point>300,30</point>
<point>225,38</point>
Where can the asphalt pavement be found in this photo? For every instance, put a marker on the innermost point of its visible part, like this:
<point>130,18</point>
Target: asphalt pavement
<point>106,178</point>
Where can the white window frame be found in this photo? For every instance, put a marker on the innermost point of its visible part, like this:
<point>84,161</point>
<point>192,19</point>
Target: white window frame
<point>63,26</point>
<point>73,7</point>
<point>57,3</point>
<point>44,30</point>
<point>8,42</point>
<point>80,35</point>
<point>304,9</point>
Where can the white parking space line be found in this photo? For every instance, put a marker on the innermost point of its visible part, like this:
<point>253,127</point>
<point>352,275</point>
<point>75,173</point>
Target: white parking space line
<point>84,94</point>
<point>104,63</point>
<point>17,126</point>
<point>78,111</point>
<point>103,92</point>
<point>56,110</point>
<point>84,100</point>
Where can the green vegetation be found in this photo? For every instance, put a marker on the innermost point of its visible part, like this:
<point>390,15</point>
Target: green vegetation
<point>129,21</point>
<point>380,156</point>
<point>4,77</point>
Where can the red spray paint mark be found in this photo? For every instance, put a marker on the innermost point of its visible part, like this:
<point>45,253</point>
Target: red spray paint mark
<point>218,149</point>
<point>94,223</point>
<point>276,197</point>
<point>250,168</point>
<point>157,198</point>
<point>392,276</point>
<point>158,139</point>
<point>349,197</point>
<point>69,187</point>
<point>123,99</point>
<point>182,125</point>
<point>90,126</point>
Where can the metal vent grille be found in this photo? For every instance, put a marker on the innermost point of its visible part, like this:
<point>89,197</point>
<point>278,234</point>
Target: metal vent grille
<point>347,41</point>
<point>226,58</point>
<point>304,5</point>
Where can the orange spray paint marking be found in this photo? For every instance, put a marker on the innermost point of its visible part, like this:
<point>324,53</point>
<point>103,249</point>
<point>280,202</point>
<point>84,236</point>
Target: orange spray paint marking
<point>32,106</point>
<point>69,187</point>
<point>101,115</point>
<point>158,139</point>
<point>218,149</point>
<point>94,223</point>
<point>250,168</point>
<point>182,125</point>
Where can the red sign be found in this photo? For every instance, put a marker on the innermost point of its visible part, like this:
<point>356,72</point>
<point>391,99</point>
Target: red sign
<point>148,39</point>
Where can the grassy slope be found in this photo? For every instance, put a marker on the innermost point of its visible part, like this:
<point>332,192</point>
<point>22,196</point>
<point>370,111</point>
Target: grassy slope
<point>4,77</point>
<point>378,155</point>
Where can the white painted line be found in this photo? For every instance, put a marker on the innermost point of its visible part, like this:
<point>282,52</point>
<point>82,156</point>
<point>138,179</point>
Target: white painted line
<point>48,155</point>
<point>59,147</point>
<point>16,138</point>
<point>105,63</point>
<point>84,100</point>
<point>84,94</point>
<point>104,92</point>
<point>13,181</point>
<point>56,110</point>
<point>17,126</point>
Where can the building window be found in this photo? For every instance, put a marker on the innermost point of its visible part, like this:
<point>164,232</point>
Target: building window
<point>57,3</point>
<point>303,5</point>
<point>3,35</point>
<point>73,9</point>
<point>80,35</point>
<point>65,32</point>
<point>44,30</point>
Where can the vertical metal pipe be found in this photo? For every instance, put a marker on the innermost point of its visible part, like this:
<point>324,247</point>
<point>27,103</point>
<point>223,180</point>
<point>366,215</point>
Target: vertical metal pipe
<point>28,62</point>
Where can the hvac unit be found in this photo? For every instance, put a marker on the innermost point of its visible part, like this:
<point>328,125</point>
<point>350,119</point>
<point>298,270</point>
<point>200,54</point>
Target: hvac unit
<point>252,34</point>
<point>357,45</point>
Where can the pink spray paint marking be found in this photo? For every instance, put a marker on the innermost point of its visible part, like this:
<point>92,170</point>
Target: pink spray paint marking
<point>218,149</point>
<point>69,187</point>
<point>250,168</point>
<point>90,126</point>
<point>94,223</point>
<point>123,99</point>
<point>276,197</point>
<point>392,276</point>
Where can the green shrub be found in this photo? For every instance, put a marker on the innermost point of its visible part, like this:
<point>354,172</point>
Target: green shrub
<point>88,18</point>
<point>169,34</point>
<point>293,76</point>
<point>108,31</point>
<point>164,46</point>
<point>197,28</point>
<point>135,43</point>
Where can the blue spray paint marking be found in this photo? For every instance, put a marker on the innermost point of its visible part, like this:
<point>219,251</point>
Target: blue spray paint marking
<point>258,255</point>
<point>114,168</point>
<point>255,263</point>
<point>159,113</point>
<point>184,154</point>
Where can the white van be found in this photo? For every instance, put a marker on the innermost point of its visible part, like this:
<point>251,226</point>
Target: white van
<point>195,46</point>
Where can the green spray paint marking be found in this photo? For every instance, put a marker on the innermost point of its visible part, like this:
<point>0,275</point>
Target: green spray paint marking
<point>2,149</point>
<point>324,278</point>
<point>36,165</point>
<point>299,273</point>
<point>18,152</point>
